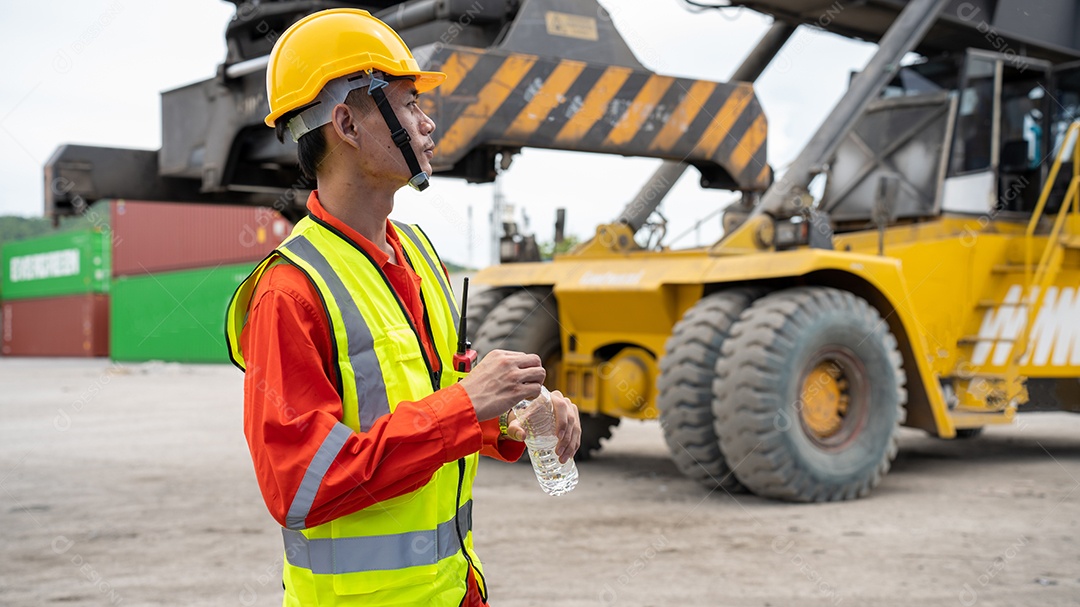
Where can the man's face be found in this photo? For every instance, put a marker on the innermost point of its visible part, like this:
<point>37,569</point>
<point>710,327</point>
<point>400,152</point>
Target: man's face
<point>381,158</point>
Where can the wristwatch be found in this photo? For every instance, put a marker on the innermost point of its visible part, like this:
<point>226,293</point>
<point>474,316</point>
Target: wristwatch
<point>504,423</point>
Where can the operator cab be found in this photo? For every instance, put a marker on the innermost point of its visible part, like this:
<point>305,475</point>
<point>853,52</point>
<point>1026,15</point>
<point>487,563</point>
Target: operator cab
<point>1010,121</point>
<point>972,133</point>
<point>999,152</point>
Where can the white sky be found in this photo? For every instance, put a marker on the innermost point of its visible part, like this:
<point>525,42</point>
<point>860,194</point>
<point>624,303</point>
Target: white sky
<point>90,71</point>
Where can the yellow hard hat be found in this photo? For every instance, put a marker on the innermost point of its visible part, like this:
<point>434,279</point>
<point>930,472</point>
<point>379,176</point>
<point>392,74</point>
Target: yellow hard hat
<point>330,44</point>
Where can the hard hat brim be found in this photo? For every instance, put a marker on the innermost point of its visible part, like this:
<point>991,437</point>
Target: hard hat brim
<point>426,81</point>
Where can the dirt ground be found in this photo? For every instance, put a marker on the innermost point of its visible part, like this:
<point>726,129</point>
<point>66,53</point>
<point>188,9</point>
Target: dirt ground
<point>131,485</point>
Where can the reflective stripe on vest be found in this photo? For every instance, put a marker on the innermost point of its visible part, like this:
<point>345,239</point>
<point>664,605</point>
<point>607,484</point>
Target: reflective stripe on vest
<point>313,477</point>
<point>378,552</point>
<point>413,236</point>
<point>370,388</point>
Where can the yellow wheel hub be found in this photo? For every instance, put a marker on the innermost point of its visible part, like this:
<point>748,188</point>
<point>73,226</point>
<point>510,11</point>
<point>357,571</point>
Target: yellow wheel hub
<point>824,400</point>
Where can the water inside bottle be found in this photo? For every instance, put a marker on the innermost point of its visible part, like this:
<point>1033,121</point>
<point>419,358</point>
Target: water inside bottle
<point>538,419</point>
<point>555,478</point>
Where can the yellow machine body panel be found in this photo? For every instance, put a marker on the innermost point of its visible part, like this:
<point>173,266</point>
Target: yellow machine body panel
<point>948,289</point>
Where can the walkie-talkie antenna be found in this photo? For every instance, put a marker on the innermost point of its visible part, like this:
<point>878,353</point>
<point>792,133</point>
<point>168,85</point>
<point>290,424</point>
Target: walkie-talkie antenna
<point>463,340</point>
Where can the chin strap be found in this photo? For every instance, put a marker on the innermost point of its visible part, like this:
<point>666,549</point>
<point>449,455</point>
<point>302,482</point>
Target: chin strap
<point>419,180</point>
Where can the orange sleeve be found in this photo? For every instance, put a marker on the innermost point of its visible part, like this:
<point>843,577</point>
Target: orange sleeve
<point>505,449</point>
<point>310,467</point>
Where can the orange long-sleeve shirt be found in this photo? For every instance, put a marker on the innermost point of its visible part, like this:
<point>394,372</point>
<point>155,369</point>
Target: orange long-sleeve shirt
<point>290,400</point>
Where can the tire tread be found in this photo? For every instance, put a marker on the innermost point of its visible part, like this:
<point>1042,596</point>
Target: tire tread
<point>684,387</point>
<point>746,403</point>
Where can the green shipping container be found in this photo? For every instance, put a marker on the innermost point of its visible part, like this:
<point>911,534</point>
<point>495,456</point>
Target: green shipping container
<point>173,316</point>
<point>69,263</point>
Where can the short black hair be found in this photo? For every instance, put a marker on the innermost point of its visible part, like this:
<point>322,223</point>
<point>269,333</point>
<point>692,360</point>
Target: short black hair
<point>311,147</point>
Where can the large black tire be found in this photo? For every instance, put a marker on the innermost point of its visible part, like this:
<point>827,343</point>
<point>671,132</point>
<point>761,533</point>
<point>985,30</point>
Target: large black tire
<point>769,416</point>
<point>685,387</point>
<point>524,321</point>
<point>528,321</point>
<point>480,304</point>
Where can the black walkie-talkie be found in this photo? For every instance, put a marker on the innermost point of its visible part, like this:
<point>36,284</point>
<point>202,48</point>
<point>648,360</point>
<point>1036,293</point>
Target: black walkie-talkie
<point>465,357</point>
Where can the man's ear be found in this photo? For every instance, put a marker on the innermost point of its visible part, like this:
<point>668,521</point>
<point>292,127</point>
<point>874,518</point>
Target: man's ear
<point>344,120</point>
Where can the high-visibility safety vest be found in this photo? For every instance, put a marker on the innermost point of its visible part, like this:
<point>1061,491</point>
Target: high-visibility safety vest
<point>413,549</point>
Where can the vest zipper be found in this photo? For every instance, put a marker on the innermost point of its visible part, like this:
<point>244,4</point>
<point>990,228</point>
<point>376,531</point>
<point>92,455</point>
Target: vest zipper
<point>436,376</point>
<point>480,581</point>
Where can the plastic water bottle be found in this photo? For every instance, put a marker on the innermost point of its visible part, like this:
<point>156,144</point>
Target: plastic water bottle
<point>537,417</point>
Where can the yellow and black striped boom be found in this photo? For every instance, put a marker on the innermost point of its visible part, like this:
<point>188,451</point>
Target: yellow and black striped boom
<point>495,100</point>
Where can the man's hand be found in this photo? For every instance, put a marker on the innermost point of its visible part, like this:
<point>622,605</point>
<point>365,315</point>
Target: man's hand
<point>502,380</point>
<point>567,427</point>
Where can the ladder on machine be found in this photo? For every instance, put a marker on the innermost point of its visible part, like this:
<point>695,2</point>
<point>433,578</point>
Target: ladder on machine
<point>987,393</point>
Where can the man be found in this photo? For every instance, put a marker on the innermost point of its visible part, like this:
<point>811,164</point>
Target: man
<point>363,436</point>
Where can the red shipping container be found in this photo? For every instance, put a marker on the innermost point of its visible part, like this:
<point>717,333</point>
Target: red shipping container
<point>72,325</point>
<point>166,236</point>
